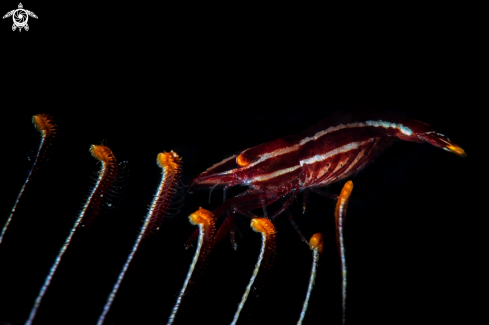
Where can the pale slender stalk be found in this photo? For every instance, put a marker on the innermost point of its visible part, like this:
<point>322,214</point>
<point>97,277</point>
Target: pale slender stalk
<point>316,245</point>
<point>170,163</point>
<point>252,279</point>
<point>115,289</point>
<point>267,230</point>
<point>343,272</point>
<point>187,279</point>
<point>4,229</point>
<point>45,125</point>
<point>54,267</point>
<point>207,229</point>
<point>340,215</point>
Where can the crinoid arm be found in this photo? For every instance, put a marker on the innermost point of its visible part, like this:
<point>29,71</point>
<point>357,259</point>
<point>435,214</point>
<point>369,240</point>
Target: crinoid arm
<point>47,128</point>
<point>340,214</point>
<point>107,175</point>
<point>265,259</point>
<point>170,163</point>
<point>115,195</point>
<point>316,245</point>
<point>246,201</point>
<point>207,229</point>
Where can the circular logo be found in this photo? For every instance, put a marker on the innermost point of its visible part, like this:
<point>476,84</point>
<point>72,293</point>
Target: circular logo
<point>20,17</point>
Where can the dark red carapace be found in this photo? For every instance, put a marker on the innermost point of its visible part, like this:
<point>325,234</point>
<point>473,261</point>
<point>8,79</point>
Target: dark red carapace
<point>332,150</point>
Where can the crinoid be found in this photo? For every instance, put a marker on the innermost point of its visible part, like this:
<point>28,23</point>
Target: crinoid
<point>402,233</point>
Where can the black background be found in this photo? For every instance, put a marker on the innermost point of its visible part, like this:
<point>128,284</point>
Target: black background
<point>208,82</point>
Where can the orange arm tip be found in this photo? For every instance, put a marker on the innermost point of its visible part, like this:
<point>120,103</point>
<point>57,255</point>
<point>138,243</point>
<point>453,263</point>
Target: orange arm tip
<point>343,198</point>
<point>316,242</point>
<point>168,160</point>
<point>456,150</point>
<point>262,225</point>
<point>44,124</point>
<point>102,153</point>
<point>346,191</point>
<point>201,216</point>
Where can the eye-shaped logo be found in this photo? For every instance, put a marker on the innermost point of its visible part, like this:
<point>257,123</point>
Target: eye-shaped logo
<point>20,17</point>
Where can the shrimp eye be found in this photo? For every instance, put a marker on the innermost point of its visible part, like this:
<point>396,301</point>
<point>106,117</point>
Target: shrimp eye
<point>243,160</point>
